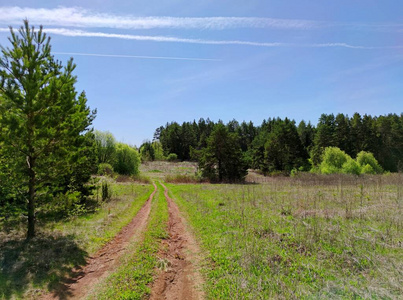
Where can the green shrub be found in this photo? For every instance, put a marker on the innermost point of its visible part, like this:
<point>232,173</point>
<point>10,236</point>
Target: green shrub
<point>105,169</point>
<point>367,169</point>
<point>106,191</point>
<point>333,160</point>
<point>351,167</point>
<point>368,163</point>
<point>172,157</point>
<point>127,160</point>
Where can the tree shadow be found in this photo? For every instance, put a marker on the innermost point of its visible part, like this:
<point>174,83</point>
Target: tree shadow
<point>42,261</point>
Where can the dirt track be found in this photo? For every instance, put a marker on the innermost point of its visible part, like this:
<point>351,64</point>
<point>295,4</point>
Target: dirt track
<point>180,280</point>
<point>105,260</point>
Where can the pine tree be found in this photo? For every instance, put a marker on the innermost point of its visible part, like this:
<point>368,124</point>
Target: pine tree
<point>222,159</point>
<point>42,117</point>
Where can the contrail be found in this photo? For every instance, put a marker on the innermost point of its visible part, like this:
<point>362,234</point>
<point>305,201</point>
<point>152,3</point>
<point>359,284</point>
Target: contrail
<point>81,33</point>
<point>137,56</point>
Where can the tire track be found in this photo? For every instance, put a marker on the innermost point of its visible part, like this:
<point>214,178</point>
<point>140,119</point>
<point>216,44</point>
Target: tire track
<point>181,279</point>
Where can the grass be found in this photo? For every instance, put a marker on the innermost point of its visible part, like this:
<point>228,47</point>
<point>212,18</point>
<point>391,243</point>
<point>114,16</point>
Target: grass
<point>92,231</point>
<point>29,269</point>
<point>132,279</point>
<point>179,178</point>
<point>327,237</point>
<point>161,169</point>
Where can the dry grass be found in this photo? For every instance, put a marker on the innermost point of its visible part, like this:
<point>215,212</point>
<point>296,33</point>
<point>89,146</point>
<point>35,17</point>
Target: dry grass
<point>168,168</point>
<point>312,236</point>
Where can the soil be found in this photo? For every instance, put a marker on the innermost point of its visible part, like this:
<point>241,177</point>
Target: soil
<point>180,280</point>
<point>105,260</point>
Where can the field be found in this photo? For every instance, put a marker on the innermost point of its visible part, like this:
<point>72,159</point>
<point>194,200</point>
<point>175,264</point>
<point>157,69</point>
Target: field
<point>308,236</point>
<point>313,236</point>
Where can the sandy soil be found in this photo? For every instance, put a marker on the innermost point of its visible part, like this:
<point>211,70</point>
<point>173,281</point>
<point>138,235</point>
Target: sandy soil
<point>180,280</point>
<point>105,260</point>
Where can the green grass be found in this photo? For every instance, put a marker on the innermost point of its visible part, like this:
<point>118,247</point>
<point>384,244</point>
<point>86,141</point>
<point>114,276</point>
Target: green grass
<point>92,231</point>
<point>295,239</point>
<point>29,268</point>
<point>131,280</point>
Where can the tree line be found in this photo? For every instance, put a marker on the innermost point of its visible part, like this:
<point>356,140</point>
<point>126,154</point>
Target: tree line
<point>281,145</point>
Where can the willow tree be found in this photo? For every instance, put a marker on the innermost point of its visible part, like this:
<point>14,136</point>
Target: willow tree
<point>43,118</point>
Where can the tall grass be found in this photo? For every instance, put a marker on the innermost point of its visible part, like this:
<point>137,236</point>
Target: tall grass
<point>315,236</point>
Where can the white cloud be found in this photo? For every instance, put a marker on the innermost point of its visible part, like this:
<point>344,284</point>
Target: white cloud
<point>79,17</point>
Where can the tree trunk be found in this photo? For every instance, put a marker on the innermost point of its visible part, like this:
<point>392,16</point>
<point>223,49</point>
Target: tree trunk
<point>219,171</point>
<point>31,198</point>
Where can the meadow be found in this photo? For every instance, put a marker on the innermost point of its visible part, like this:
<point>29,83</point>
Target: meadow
<point>311,236</point>
<point>307,236</point>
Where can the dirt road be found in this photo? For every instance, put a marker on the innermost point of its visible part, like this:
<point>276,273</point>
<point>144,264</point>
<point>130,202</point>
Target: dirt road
<point>180,280</point>
<point>105,260</point>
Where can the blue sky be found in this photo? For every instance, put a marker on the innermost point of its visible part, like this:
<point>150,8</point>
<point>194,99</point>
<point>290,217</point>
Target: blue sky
<point>146,63</point>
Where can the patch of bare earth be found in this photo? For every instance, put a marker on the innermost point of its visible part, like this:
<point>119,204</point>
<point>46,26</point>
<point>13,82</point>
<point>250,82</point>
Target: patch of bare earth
<point>181,279</point>
<point>105,260</point>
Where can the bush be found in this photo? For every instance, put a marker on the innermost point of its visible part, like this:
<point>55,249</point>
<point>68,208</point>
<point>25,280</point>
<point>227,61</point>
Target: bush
<point>333,160</point>
<point>147,152</point>
<point>368,163</point>
<point>105,169</point>
<point>127,160</point>
<point>172,157</point>
<point>106,191</point>
<point>367,169</point>
<point>351,167</point>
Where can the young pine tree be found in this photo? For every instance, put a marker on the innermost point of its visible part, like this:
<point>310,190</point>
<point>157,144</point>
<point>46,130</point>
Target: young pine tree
<point>42,117</point>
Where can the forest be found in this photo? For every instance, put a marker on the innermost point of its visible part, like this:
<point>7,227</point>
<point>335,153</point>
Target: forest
<point>281,146</point>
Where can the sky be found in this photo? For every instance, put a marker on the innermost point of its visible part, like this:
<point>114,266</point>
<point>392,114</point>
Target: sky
<point>145,63</point>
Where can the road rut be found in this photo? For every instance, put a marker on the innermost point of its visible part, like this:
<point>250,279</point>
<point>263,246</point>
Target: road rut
<point>181,279</point>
